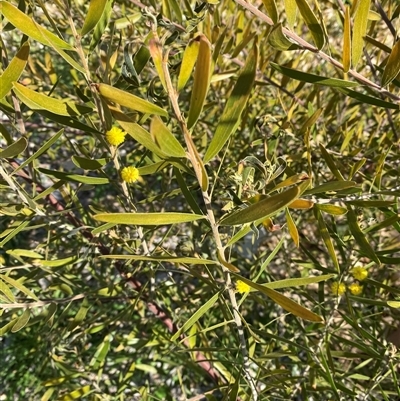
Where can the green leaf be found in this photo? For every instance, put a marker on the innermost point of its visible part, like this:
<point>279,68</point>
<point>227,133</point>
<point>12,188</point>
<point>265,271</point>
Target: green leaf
<point>312,78</point>
<point>164,258</point>
<point>196,316</point>
<point>332,186</point>
<point>370,203</point>
<point>369,99</point>
<point>291,12</point>
<point>14,149</point>
<point>157,56</point>
<point>101,353</point>
<point>312,23</point>
<point>22,321</point>
<point>149,219</point>
<point>40,151</point>
<point>234,107</point>
<point>327,239</point>
<point>84,179</point>
<point>26,253</point>
<point>332,209</point>
<point>14,69</point>
<point>101,25</point>
<point>89,164</point>
<point>347,40</point>
<point>30,28</point>
<point>278,40</point>
<point>392,67</point>
<point>136,132</point>
<point>95,11</point>
<point>39,101</point>
<point>359,29</point>
<point>284,302</point>
<point>19,286</point>
<point>59,262</point>
<point>201,82</point>
<point>294,179</point>
<point>80,316</point>
<point>272,11</point>
<point>263,209</point>
<point>331,163</point>
<point>359,236</point>
<point>292,228</point>
<point>297,282</point>
<point>130,101</point>
<point>188,62</point>
<point>164,139</point>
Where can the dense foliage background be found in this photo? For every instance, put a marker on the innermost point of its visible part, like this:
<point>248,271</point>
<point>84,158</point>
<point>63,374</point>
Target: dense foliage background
<point>287,122</point>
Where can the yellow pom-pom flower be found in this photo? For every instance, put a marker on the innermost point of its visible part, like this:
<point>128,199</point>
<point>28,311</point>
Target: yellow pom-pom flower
<point>130,174</point>
<point>338,288</point>
<point>360,273</point>
<point>355,288</point>
<point>115,136</point>
<point>242,287</point>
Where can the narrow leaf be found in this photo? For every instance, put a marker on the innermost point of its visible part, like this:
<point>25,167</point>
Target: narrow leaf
<point>188,62</point>
<point>149,219</point>
<point>89,164</point>
<point>332,186</point>
<point>359,29</point>
<point>15,149</point>
<point>19,286</point>
<point>156,55</point>
<point>40,151</point>
<point>369,99</point>
<point>292,228</point>
<point>332,209</point>
<point>38,101</point>
<point>22,321</point>
<point>298,282</point>
<point>327,239</point>
<point>234,107</point>
<point>14,69</point>
<point>95,11</point>
<point>347,40</point>
<point>285,302</point>
<point>291,12</point>
<point>201,82</point>
<point>263,209</point>
<point>392,67</point>
<point>101,25</point>
<point>164,258</point>
<point>294,179</point>
<point>136,131</point>
<point>302,204</point>
<point>130,101</point>
<point>359,236</point>
<point>278,40</point>
<point>196,316</point>
<point>272,11</point>
<point>164,139</point>
<point>312,23</point>
<point>30,28</point>
<point>312,78</point>
<point>84,179</point>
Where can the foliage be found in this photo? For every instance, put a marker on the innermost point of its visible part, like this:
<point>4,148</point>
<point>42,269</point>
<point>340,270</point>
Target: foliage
<point>199,200</point>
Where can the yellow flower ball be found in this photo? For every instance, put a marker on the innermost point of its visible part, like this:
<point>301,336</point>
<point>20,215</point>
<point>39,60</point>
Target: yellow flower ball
<point>130,174</point>
<point>115,136</point>
<point>355,288</point>
<point>242,287</point>
<point>359,273</point>
<point>338,288</point>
